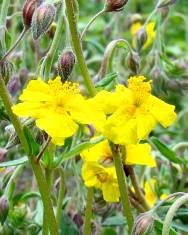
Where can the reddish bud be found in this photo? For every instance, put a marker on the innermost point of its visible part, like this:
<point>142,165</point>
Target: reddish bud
<point>115,5</point>
<point>28,11</point>
<point>66,64</point>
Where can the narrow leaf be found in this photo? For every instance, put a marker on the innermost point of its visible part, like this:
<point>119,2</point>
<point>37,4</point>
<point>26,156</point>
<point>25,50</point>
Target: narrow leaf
<point>16,162</point>
<point>166,152</point>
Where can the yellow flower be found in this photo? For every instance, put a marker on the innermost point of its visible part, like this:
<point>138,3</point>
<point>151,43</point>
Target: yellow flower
<point>150,194</point>
<point>57,107</point>
<point>150,33</point>
<point>103,178</point>
<point>133,112</point>
<point>139,154</point>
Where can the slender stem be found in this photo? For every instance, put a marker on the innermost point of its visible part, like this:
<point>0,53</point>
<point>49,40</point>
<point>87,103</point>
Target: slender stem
<point>171,213</point>
<point>123,187</point>
<point>37,169</point>
<point>14,45</point>
<point>88,215</point>
<point>3,17</point>
<point>60,196</point>
<point>137,188</point>
<point>39,156</point>
<point>91,22</point>
<point>180,145</point>
<point>47,63</point>
<point>78,47</point>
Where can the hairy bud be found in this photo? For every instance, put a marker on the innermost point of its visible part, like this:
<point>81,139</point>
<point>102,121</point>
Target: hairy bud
<point>133,62</point>
<point>6,69</point>
<point>28,11</point>
<point>143,225</point>
<point>42,19</point>
<point>115,5</point>
<point>4,208</point>
<point>66,64</point>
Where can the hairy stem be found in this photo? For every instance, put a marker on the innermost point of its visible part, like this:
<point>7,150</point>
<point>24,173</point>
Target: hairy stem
<point>14,46</point>
<point>171,213</point>
<point>123,187</point>
<point>78,47</point>
<point>47,63</point>
<point>88,215</point>
<point>60,196</point>
<point>91,22</point>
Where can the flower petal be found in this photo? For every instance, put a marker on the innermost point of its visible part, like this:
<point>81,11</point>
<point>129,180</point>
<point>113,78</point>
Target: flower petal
<point>163,112</point>
<point>139,154</point>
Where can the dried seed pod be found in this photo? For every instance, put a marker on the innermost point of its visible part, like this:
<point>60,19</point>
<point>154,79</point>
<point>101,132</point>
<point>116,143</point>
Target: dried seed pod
<point>42,19</point>
<point>115,5</point>
<point>66,64</point>
<point>28,11</point>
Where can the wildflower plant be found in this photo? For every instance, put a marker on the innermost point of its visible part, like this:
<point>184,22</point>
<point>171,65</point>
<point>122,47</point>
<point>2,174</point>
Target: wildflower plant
<point>93,117</point>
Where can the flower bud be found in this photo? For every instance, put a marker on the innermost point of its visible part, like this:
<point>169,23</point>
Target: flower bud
<point>66,64</point>
<point>3,153</point>
<point>6,69</point>
<point>115,5</point>
<point>28,11</point>
<point>4,209</point>
<point>140,38</point>
<point>42,19</point>
<point>133,62</point>
<point>143,225</point>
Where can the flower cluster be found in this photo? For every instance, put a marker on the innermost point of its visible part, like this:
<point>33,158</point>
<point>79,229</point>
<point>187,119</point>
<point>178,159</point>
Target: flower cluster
<point>125,116</point>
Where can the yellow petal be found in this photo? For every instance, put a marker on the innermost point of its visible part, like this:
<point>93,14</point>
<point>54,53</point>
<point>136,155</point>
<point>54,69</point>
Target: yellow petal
<point>57,126</point>
<point>139,154</point>
<point>111,191</point>
<point>164,113</point>
<point>97,152</point>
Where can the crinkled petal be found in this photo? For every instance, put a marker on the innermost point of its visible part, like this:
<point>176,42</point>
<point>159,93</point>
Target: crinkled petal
<point>30,109</point>
<point>120,128</point>
<point>163,112</point>
<point>57,126</point>
<point>111,191</point>
<point>89,175</point>
<point>36,91</point>
<point>139,154</point>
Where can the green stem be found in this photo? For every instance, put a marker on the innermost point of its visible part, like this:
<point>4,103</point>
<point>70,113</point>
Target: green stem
<point>60,196</point>
<point>3,18</point>
<point>78,47</point>
<point>123,187</point>
<point>171,213</point>
<point>137,188</point>
<point>91,22</point>
<point>88,215</point>
<point>37,169</point>
<point>47,63</point>
<point>14,45</point>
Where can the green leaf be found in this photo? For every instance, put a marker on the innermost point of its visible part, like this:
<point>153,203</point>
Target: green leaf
<point>16,162</point>
<point>114,221</point>
<point>108,231</point>
<point>33,146</point>
<point>106,80</point>
<point>77,150</point>
<point>29,195</point>
<point>159,226</point>
<point>166,152</point>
